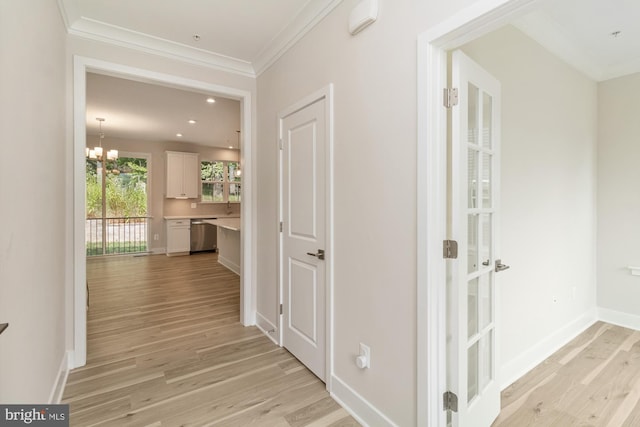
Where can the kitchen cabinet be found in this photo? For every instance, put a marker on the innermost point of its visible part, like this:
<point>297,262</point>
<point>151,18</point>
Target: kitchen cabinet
<point>183,175</point>
<point>178,237</point>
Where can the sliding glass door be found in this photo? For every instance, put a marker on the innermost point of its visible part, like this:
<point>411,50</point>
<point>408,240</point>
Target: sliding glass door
<point>117,208</point>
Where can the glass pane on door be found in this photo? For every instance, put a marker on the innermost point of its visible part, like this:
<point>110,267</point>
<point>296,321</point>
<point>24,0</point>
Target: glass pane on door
<point>485,371</point>
<point>485,244</point>
<point>487,120</point>
<point>472,308</point>
<point>116,206</point>
<point>473,111</point>
<point>485,296</point>
<point>487,201</point>
<point>472,372</point>
<point>472,243</point>
<point>472,178</point>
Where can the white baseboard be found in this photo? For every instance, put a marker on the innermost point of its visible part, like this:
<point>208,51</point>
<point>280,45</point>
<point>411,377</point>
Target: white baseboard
<point>357,406</point>
<point>229,264</point>
<point>631,321</point>
<point>158,251</point>
<point>61,379</point>
<point>267,328</point>
<point>516,368</point>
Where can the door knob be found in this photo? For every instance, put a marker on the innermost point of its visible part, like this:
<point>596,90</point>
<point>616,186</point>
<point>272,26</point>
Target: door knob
<point>319,254</point>
<point>500,266</point>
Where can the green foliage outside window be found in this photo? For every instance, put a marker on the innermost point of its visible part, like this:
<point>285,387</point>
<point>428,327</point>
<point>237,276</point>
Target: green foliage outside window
<point>126,194</point>
<point>220,183</point>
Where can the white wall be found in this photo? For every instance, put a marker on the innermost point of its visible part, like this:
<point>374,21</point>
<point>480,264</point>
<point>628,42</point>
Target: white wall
<point>374,77</point>
<point>549,134</point>
<point>32,194</point>
<point>619,199</point>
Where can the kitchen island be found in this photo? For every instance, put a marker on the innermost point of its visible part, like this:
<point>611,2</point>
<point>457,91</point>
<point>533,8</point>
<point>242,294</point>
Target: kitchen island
<point>228,242</point>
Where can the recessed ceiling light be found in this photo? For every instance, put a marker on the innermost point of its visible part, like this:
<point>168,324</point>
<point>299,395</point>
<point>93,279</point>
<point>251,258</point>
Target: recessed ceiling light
<point>211,100</point>
<point>192,122</point>
<point>179,135</point>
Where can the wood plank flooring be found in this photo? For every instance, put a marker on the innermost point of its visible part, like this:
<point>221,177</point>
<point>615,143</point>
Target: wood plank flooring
<point>592,381</point>
<point>165,348</point>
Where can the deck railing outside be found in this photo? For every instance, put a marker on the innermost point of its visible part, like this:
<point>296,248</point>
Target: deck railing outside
<point>112,236</point>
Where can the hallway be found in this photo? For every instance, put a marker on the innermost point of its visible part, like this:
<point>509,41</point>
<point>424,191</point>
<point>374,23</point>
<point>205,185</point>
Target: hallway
<point>165,348</point>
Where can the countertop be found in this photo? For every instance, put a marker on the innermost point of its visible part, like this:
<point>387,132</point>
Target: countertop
<point>228,223</point>
<point>201,216</point>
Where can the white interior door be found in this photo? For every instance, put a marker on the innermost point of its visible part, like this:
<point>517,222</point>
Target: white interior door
<point>303,136</point>
<point>475,176</point>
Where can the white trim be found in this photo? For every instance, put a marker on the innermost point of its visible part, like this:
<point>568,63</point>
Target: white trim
<point>267,328</point>
<point>533,356</point>
<point>159,251</point>
<point>476,20</point>
<point>57,391</point>
<point>306,20</point>
<point>325,93</point>
<point>627,320</point>
<point>431,298</point>
<point>359,407</point>
<point>81,65</point>
<point>87,28</point>
<point>107,33</point>
<point>226,262</point>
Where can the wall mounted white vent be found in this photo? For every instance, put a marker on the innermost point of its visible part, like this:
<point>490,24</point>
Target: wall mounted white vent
<point>363,15</point>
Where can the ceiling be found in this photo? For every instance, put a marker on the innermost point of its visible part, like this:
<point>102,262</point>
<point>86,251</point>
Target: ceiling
<point>143,111</point>
<point>246,36</point>
<point>582,33</point>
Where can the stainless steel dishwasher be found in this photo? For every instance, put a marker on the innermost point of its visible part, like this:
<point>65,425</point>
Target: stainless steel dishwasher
<point>204,236</point>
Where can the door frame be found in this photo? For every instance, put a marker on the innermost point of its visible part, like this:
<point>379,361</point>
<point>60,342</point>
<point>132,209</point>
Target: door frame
<point>82,65</point>
<point>325,93</point>
<point>479,19</point>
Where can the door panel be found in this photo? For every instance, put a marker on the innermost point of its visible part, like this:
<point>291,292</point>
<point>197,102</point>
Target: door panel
<point>475,175</point>
<point>303,208</point>
<point>303,290</point>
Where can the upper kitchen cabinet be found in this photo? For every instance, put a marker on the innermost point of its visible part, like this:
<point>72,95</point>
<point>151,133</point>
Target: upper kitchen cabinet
<point>183,179</point>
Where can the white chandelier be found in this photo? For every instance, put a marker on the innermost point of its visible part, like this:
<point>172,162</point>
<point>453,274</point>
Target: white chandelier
<point>96,153</point>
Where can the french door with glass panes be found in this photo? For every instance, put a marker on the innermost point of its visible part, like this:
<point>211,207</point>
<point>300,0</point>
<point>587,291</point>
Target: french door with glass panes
<point>471,290</point>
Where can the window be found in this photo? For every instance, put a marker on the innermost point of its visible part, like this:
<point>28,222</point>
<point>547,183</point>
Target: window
<point>220,181</point>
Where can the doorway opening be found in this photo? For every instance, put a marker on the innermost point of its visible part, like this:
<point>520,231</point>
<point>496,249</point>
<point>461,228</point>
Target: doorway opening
<point>432,198</point>
<point>82,66</point>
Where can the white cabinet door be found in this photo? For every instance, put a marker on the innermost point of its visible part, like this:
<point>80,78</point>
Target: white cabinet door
<point>183,173</point>
<point>174,174</point>
<point>178,236</point>
<point>191,181</point>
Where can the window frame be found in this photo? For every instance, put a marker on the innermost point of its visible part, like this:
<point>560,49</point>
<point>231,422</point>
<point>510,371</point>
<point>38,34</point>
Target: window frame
<point>226,182</point>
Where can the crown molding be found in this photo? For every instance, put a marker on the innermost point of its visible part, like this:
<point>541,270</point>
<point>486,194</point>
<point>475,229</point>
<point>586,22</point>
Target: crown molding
<point>112,34</point>
<point>312,13</point>
<point>304,22</point>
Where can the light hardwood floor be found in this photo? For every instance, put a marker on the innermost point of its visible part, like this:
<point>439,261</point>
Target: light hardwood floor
<point>592,381</point>
<point>165,348</point>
